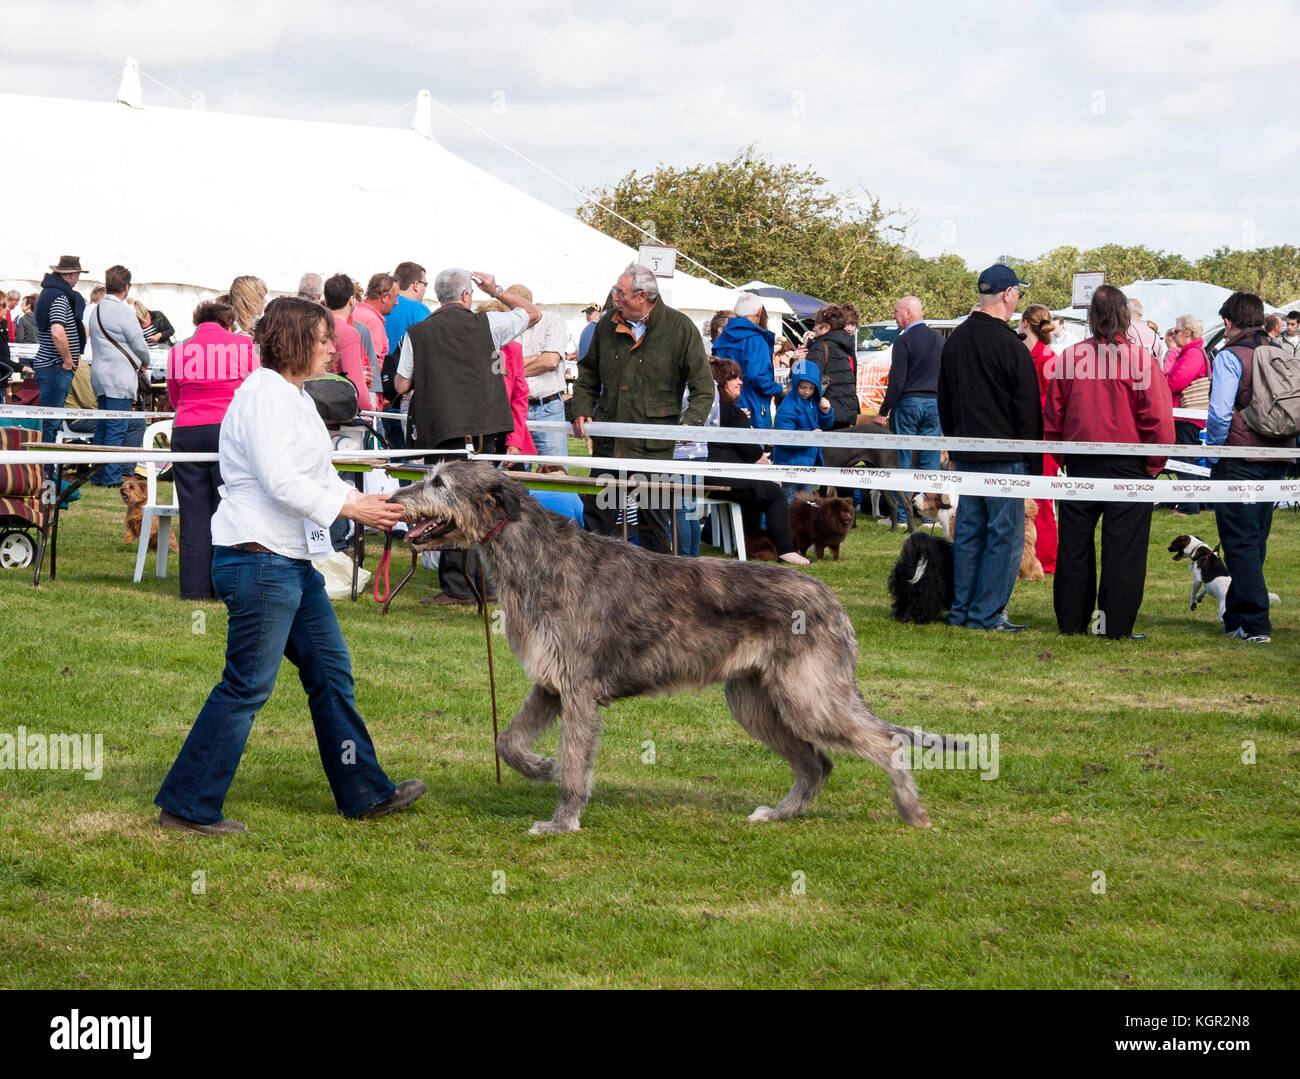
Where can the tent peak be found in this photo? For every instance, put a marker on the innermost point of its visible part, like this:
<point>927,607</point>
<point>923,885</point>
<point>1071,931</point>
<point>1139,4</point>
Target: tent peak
<point>423,122</point>
<point>128,91</point>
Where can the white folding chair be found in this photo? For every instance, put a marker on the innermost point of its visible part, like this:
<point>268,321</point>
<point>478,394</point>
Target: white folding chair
<point>728,528</point>
<point>152,510</point>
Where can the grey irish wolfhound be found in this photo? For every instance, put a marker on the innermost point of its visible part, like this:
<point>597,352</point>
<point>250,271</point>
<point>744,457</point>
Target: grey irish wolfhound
<point>594,619</point>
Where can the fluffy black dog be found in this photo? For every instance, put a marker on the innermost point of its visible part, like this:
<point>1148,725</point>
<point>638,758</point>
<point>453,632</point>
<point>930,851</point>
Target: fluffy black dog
<point>921,581</point>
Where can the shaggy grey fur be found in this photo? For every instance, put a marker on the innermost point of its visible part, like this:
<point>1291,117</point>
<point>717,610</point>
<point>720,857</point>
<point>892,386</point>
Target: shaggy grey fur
<point>594,619</point>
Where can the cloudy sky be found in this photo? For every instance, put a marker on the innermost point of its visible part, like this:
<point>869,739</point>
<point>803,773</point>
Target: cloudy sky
<point>995,129</point>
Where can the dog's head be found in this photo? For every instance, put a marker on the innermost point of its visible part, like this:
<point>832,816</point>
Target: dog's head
<point>929,505</point>
<point>1186,547</point>
<point>839,512</point>
<point>462,503</point>
<point>134,491</point>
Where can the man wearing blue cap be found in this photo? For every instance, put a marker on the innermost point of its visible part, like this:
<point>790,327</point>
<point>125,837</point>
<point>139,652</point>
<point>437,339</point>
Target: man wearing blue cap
<point>988,389</point>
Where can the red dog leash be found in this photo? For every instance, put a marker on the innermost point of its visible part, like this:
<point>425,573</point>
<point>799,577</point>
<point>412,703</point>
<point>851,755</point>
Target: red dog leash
<point>382,570</point>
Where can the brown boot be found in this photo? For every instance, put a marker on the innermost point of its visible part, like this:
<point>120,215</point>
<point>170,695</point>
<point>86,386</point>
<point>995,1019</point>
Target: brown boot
<point>221,827</point>
<point>407,792</point>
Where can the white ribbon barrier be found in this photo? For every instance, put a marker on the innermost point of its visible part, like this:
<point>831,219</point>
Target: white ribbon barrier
<point>884,440</point>
<point>995,485</point>
<point>986,484</point>
<point>35,412</point>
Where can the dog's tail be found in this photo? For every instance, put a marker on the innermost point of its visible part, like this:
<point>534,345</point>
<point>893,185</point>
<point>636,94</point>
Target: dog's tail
<point>928,739</point>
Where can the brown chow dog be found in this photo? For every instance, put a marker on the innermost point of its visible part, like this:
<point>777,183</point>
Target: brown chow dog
<point>821,522</point>
<point>759,547</point>
<point>134,492</point>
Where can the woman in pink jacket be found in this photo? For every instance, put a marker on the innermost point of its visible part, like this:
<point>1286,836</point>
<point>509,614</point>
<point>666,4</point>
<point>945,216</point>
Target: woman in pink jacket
<point>520,440</point>
<point>202,376</point>
<point>1189,364</point>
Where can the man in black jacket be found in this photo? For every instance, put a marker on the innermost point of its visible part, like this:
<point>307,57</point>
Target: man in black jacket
<point>988,389</point>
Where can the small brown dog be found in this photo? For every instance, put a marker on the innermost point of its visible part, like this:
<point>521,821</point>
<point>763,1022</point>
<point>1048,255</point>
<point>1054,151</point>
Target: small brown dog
<point>134,493</point>
<point>759,547</point>
<point>1030,568</point>
<point>821,522</point>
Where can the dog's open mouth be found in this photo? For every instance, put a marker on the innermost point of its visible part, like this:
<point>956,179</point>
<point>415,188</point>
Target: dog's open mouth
<point>429,529</point>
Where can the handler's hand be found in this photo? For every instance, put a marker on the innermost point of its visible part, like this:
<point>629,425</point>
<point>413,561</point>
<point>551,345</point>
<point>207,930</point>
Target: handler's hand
<point>373,510</point>
<point>882,420</point>
<point>370,377</point>
<point>580,426</point>
<point>485,281</point>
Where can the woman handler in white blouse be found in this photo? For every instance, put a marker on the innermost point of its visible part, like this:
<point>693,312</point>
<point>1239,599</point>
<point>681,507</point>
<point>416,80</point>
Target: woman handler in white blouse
<point>279,497</point>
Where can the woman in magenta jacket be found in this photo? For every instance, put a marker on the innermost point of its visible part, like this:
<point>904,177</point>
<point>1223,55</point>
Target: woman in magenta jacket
<point>1183,368</point>
<point>202,376</point>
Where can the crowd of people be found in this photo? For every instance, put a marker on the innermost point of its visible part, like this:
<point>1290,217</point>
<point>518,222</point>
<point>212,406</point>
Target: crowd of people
<point>477,374</point>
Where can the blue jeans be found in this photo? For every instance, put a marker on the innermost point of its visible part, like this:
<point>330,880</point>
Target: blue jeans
<point>1244,528</point>
<point>277,607</point>
<point>549,443</point>
<point>111,433</point>
<point>987,544</point>
<point>53,383</point>
<point>688,519</point>
<point>915,416</point>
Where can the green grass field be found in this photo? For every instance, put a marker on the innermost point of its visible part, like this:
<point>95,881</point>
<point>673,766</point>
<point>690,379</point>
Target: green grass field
<point>1122,759</point>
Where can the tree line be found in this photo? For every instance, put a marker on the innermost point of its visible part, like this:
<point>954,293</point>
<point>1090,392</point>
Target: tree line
<point>749,218</point>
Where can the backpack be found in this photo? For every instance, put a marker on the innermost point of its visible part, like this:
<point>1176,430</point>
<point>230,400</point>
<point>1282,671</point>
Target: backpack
<point>1274,408</point>
<point>335,397</point>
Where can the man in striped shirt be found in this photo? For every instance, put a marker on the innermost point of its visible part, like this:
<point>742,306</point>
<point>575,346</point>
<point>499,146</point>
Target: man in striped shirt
<point>60,336</point>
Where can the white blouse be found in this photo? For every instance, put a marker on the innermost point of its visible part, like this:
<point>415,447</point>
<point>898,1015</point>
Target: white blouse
<point>275,468</point>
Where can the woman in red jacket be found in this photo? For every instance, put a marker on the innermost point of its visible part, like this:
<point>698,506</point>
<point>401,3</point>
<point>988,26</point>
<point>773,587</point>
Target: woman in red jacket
<point>203,374</point>
<point>1038,328</point>
<point>520,440</point>
<point>1105,389</point>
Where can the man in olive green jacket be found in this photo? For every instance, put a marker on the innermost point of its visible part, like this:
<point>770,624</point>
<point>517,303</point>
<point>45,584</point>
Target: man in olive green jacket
<point>642,359</point>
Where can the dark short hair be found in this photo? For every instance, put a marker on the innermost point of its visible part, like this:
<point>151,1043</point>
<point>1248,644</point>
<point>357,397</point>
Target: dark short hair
<point>285,335</point>
<point>723,371</point>
<point>1108,314</point>
<point>337,291</point>
<point>1293,315</point>
<point>718,322</point>
<point>407,274</point>
<point>117,279</point>
<point>1244,310</point>
<point>379,284</point>
<point>831,315</point>
<point>30,300</point>
<point>215,311</point>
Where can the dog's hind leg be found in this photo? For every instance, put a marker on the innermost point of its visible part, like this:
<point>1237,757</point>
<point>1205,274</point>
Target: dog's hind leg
<point>752,705</point>
<point>579,737</point>
<point>844,722</point>
<point>515,743</point>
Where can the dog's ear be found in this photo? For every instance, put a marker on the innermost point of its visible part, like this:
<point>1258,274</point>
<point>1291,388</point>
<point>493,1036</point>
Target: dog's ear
<point>505,493</point>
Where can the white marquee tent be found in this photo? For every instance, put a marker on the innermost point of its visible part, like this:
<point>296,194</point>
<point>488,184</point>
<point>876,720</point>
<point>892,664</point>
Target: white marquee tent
<point>189,199</point>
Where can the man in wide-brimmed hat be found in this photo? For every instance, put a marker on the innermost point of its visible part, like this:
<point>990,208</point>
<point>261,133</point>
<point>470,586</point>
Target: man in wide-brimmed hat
<point>60,335</point>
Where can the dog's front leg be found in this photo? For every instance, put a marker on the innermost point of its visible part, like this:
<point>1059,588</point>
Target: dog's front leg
<point>515,743</point>
<point>579,737</point>
<point>1197,596</point>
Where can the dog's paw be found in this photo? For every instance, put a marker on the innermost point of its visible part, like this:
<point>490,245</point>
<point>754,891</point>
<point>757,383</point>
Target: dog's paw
<point>552,827</point>
<point>763,813</point>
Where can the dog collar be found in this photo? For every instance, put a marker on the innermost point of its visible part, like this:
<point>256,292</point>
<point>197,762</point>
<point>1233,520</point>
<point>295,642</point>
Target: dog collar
<point>500,525</point>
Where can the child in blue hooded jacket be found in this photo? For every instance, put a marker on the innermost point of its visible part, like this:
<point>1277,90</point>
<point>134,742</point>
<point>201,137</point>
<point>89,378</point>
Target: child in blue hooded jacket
<point>804,409</point>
